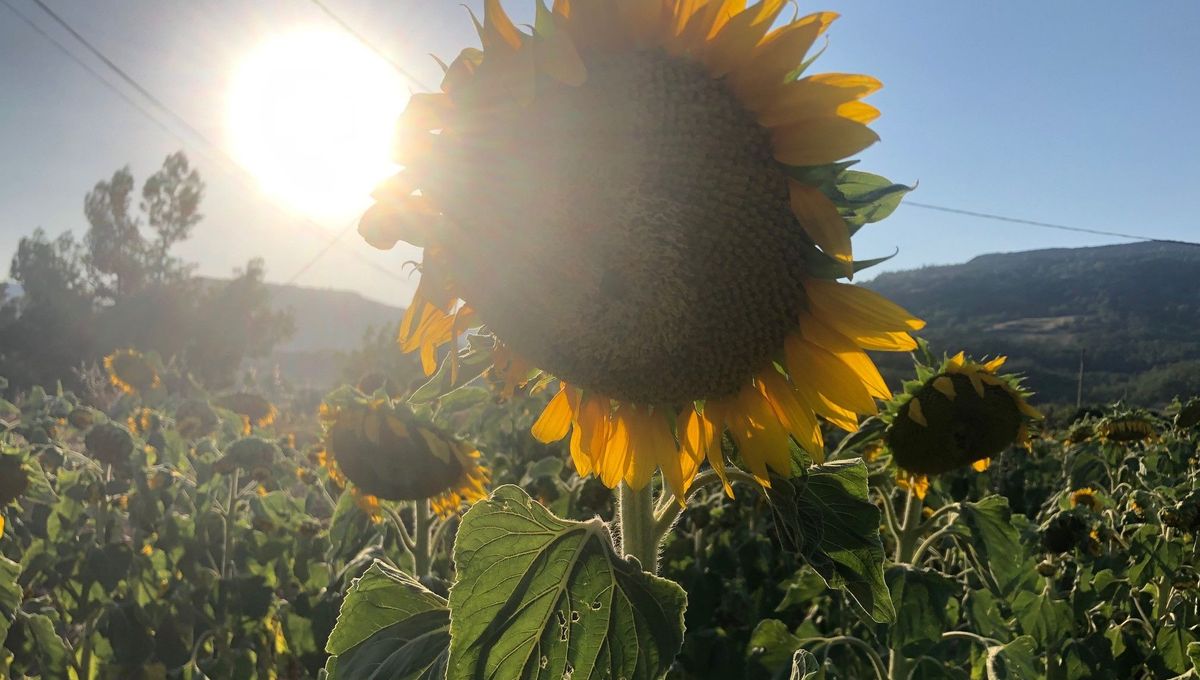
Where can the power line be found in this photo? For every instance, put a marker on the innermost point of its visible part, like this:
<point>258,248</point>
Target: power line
<point>229,165</point>
<point>362,39</point>
<point>1047,225</point>
<point>320,253</point>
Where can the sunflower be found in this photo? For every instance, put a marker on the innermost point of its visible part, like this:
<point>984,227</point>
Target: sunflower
<point>959,414</point>
<point>14,480</point>
<point>387,452</point>
<point>1086,497</point>
<point>253,408</point>
<point>1188,416</point>
<point>1127,426</point>
<point>110,444</point>
<point>131,371</point>
<point>196,418</point>
<point>642,200</point>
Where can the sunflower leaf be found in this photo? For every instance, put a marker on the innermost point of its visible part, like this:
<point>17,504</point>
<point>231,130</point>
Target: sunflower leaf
<point>472,362</point>
<point>543,597</point>
<point>827,519</point>
<point>390,626</point>
<point>863,198</point>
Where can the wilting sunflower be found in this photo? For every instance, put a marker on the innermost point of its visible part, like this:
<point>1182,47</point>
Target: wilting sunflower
<point>642,199</point>
<point>1188,416</point>
<point>1127,426</point>
<point>130,371</point>
<point>110,444</point>
<point>389,453</point>
<point>959,414</point>
<point>1086,497</point>
<point>196,418</point>
<point>253,408</point>
<point>14,480</point>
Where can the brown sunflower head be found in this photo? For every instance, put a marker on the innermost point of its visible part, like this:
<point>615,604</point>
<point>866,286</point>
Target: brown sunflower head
<point>109,443</point>
<point>254,408</point>
<point>389,453</point>
<point>131,371</point>
<point>645,200</point>
<point>14,479</point>
<point>960,415</point>
<point>196,418</point>
<point>1127,426</point>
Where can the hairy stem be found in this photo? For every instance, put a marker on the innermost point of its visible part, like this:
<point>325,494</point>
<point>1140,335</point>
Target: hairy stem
<point>635,517</point>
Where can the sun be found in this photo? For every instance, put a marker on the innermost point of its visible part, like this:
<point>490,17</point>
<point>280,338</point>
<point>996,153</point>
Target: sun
<point>311,114</point>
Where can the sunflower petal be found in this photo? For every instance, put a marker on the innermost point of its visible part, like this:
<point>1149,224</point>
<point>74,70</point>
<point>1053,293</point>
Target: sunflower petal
<point>817,96</point>
<point>819,141</point>
<point>798,420</point>
<point>821,221</point>
<point>833,378</point>
<point>848,351</point>
<point>734,45</point>
<point>758,81</point>
<point>554,52</point>
<point>854,310</point>
<point>555,420</point>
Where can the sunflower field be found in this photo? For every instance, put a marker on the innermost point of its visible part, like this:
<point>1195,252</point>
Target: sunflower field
<point>650,439</point>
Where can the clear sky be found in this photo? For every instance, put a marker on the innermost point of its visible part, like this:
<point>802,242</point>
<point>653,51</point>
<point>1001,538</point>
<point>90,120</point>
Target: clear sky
<point>1068,112</point>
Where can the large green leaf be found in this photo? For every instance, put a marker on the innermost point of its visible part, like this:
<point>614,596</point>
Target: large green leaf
<point>826,518</point>
<point>805,666</point>
<point>772,644</point>
<point>1048,620</point>
<point>543,597</point>
<point>921,597</point>
<point>390,627</point>
<point>1013,661</point>
<point>995,540</point>
<point>10,594</point>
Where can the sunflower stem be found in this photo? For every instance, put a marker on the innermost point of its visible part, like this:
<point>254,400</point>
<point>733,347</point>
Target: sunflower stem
<point>635,517</point>
<point>422,558</point>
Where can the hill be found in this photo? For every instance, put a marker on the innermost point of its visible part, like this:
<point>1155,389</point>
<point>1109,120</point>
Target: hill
<point>328,324</point>
<point>1132,311</point>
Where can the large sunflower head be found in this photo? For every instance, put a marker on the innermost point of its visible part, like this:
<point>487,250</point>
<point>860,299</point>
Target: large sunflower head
<point>131,371</point>
<point>961,413</point>
<point>389,453</point>
<point>1127,425</point>
<point>643,199</point>
<point>254,409</point>
<point>1188,416</point>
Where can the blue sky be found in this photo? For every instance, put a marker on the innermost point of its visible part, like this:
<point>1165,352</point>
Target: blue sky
<point>1066,112</point>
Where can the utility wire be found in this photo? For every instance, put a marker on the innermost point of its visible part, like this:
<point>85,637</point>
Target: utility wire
<point>1046,225</point>
<point>362,39</point>
<point>230,166</point>
<point>320,253</point>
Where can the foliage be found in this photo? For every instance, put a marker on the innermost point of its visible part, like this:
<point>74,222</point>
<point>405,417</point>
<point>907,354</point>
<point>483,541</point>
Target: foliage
<point>1130,308</point>
<point>121,286</point>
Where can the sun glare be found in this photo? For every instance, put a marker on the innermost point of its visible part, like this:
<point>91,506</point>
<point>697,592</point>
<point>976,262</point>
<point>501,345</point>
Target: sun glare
<point>311,114</point>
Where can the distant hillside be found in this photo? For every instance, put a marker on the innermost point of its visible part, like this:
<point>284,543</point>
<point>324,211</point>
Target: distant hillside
<point>1133,309</point>
<point>329,323</point>
<point>329,319</point>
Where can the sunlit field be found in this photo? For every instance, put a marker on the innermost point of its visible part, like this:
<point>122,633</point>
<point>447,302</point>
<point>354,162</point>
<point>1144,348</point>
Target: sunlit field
<point>643,396</point>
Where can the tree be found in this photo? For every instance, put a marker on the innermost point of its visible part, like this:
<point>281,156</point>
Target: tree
<point>122,287</point>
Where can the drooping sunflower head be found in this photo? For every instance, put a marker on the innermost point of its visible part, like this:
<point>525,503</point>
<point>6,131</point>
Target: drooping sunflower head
<point>254,409</point>
<point>144,420</point>
<point>1127,425</point>
<point>1188,416</point>
<point>109,443</point>
<point>196,418</point>
<point>14,479</point>
<point>643,199</point>
<point>1085,497</point>
<point>131,371</point>
<point>959,414</point>
<point>387,452</point>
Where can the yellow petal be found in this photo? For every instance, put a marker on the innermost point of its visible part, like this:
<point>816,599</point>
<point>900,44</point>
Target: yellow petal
<point>555,53</point>
<point>583,462</point>
<point>827,374</point>
<point>757,82</point>
<point>761,438</point>
<point>818,141</point>
<point>555,421</point>
<point>945,385</point>
<point>408,219</point>
<point>981,465</point>
<point>713,420</point>
<point>854,310</point>
<point>976,383</point>
<point>498,29</point>
<point>956,362</point>
<point>798,420</point>
<point>995,364</point>
<point>616,452</point>
<point>593,418</point>
<point>915,413</point>
<point>884,341</point>
<point>848,351</point>
<point>816,96</point>
<point>733,46</point>
<point>820,219</point>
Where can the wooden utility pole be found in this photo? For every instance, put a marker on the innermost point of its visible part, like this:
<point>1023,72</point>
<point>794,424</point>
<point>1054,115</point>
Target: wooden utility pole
<point>1079,385</point>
